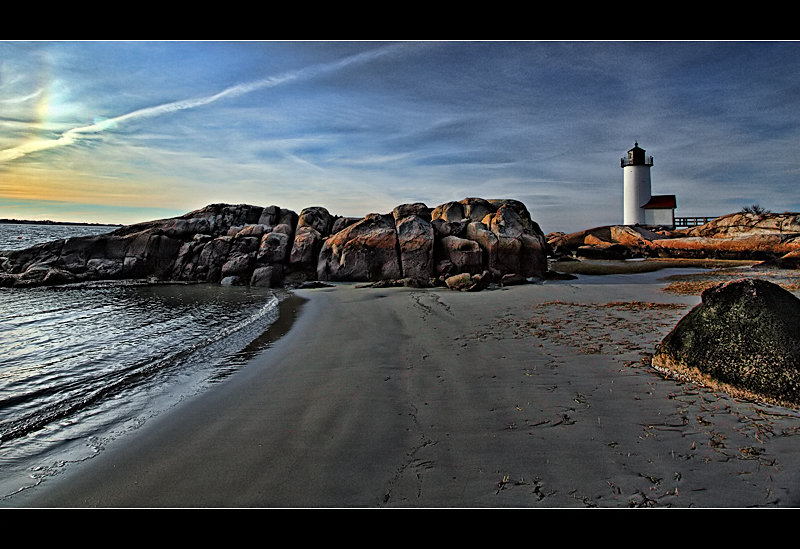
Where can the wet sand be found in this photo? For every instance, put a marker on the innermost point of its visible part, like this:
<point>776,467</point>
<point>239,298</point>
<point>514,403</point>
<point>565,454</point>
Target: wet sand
<point>530,396</point>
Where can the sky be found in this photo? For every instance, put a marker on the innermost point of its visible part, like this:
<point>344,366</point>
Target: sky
<point>123,132</point>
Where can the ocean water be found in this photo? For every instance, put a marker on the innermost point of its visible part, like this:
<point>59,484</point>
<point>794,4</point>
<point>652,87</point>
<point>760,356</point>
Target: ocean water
<point>82,364</point>
<point>15,236</point>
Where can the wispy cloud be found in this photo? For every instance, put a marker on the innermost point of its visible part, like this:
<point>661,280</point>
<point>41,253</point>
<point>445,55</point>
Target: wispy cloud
<point>24,98</point>
<point>75,135</point>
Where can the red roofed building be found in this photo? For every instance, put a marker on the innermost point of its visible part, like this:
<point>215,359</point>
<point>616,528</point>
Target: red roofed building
<point>660,210</point>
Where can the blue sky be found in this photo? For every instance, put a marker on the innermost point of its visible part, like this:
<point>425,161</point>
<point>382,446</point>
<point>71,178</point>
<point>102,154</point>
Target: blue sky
<point>122,132</point>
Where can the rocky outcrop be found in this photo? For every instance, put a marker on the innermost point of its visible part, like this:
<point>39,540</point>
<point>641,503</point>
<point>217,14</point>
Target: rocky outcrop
<point>487,240</point>
<point>749,224</point>
<point>735,236</point>
<point>750,247</point>
<point>744,337</point>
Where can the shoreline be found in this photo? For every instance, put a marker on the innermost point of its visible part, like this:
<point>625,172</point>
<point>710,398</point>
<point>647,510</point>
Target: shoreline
<point>290,306</point>
<point>537,395</point>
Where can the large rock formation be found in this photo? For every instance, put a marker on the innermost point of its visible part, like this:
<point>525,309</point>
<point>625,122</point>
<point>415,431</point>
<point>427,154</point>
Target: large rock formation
<point>735,236</point>
<point>490,240</point>
<point>744,337</point>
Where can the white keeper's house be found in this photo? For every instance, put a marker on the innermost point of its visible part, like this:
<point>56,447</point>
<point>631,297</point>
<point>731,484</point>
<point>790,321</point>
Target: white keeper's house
<point>641,207</point>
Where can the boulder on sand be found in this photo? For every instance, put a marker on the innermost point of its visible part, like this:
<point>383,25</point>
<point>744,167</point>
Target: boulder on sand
<point>744,338</point>
<point>366,251</point>
<point>521,245</point>
<point>266,276</point>
<point>415,237</point>
<point>467,282</point>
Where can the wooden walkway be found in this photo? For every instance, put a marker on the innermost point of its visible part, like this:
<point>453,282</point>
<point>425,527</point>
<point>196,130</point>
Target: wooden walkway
<point>691,221</point>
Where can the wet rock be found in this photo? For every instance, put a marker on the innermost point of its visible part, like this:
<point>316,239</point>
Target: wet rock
<point>17,261</point>
<point>105,268</point>
<point>213,255</point>
<point>314,284</point>
<point>186,264</point>
<point>239,265</point>
<point>268,276</point>
<point>152,255</point>
<point>744,337</point>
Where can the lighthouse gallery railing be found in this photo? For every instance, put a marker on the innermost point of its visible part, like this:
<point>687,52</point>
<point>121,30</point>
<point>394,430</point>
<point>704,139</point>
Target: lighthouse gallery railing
<point>630,162</point>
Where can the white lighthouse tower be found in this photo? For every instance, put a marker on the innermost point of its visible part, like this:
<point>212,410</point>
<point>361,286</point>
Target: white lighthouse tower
<point>636,185</point>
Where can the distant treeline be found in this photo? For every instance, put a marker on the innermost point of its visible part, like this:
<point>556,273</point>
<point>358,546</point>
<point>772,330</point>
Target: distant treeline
<point>47,222</point>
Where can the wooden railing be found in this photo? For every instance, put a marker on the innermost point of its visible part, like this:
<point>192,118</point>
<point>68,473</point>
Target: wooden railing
<point>692,221</point>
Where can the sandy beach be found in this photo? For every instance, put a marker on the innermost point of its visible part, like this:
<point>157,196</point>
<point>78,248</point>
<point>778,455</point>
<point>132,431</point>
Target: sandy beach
<point>531,396</point>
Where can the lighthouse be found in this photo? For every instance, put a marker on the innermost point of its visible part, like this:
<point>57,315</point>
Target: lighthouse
<point>635,185</point>
<point>641,207</point>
